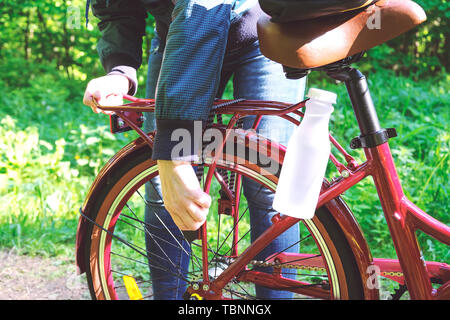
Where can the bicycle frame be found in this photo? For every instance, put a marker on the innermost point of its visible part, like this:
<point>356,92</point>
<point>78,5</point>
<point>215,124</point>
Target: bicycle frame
<point>402,216</point>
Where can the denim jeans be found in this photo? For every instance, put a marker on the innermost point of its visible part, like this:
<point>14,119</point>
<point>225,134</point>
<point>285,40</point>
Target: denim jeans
<point>254,77</point>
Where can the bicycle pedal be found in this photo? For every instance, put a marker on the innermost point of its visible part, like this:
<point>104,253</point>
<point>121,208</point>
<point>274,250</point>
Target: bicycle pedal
<point>132,288</point>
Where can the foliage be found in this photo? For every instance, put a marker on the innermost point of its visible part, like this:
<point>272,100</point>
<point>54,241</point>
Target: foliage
<point>47,35</point>
<point>38,202</point>
<point>52,34</point>
<point>421,52</point>
<point>51,147</point>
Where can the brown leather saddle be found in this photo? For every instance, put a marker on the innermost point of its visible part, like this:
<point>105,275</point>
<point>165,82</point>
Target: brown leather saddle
<point>317,42</point>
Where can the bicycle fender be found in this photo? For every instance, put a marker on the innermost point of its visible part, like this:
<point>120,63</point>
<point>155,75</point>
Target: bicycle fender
<point>358,244</point>
<point>100,181</point>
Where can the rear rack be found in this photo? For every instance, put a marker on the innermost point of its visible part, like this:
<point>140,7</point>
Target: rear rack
<point>130,117</point>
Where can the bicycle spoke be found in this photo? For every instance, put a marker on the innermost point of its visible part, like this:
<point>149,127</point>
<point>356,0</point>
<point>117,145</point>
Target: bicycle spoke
<point>299,278</point>
<point>165,226</point>
<point>229,233</point>
<point>151,236</point>
<point>146,263</point>
<point>287,248</point>
<point>217,244</point>
<point>140,229</point>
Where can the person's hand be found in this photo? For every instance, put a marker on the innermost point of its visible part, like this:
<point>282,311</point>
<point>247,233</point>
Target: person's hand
<point>106,91</point>
<point>183,197</point>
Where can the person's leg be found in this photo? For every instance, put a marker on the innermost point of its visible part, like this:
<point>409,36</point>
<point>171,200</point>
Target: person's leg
<point>168,262</point>
<point>259,78</point>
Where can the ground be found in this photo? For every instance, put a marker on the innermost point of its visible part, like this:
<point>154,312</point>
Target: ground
<point>35,278</point>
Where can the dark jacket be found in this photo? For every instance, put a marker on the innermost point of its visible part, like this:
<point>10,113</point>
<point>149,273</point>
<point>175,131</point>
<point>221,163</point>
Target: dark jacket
<point>197,33</point>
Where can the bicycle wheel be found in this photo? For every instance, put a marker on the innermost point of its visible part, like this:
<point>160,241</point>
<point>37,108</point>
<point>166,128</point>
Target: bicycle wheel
<point>324,267</point>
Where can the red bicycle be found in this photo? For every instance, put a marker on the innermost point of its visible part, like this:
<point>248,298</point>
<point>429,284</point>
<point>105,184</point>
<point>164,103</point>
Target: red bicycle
<point>334,260</point>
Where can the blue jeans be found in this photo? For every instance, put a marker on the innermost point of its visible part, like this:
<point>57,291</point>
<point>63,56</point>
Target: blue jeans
<point>254,77</point>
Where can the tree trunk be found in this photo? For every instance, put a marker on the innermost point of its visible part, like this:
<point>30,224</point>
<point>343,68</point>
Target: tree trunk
<point>27,48</point>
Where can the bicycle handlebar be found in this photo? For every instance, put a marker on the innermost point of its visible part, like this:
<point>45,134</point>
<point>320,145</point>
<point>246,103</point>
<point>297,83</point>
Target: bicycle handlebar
<point>132,98</point>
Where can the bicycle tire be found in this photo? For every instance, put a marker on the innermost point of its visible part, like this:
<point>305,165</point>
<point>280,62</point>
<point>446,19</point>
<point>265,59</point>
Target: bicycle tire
<point>344,279</point>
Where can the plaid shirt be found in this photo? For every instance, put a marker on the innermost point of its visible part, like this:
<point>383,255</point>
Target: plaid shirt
<point>197,34</point>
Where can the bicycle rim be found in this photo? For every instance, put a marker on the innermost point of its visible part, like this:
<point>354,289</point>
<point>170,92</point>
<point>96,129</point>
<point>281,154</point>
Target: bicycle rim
<point>324,267</point>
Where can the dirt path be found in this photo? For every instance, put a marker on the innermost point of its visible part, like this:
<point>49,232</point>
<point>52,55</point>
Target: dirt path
<point>35,278</point>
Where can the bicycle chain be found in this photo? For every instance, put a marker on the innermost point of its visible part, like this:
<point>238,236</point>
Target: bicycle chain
<point>286,265</point>
<point>276,264</point>
<point>393,274</point>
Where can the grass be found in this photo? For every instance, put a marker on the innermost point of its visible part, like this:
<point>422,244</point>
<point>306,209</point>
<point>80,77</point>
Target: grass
<point>52,147</point>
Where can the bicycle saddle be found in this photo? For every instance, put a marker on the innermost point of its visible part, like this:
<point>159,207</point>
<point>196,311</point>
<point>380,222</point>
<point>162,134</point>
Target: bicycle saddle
<point>316,42</point>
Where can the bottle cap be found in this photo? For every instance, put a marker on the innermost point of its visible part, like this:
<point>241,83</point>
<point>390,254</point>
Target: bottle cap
<point>322,95</point>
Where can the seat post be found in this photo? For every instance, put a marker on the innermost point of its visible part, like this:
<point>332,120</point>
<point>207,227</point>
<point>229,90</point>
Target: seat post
<point>359,93</point>
<point>372,134</point>
<point>362,103</point>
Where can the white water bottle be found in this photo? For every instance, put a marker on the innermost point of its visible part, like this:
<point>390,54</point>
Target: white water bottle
<point>306,159</point>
